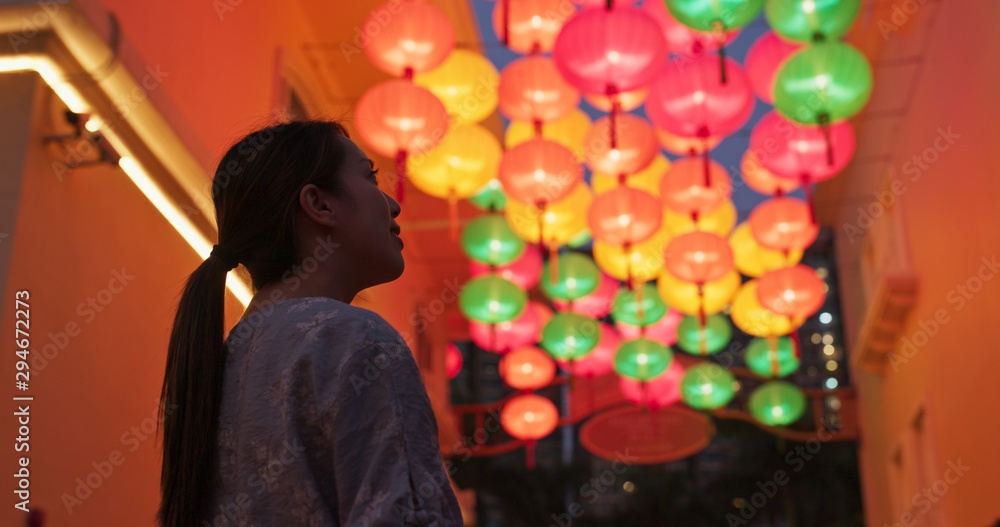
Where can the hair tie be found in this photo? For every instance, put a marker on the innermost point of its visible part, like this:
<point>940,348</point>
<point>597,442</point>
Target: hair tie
<point>224,256</point>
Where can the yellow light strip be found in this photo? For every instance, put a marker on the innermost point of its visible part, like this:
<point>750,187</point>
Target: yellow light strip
<point>51,74</point>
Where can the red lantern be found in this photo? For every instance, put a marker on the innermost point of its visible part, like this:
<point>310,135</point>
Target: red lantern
<point>764,59</point>
<point>539,172</point>
<point>452,360</point>
<point>505,336</point>
<point>802,153</point>
<point>783,224</point>
<point>529,26</point>
<point>627,149</point>
<point>532,90</point>
<point>596,304</point>
<point>624,216</point>
<point>609,51</point>
<point>417,38</point>
<point>698,257</point>
<point>600,359</point>
<point>529,417</point>
<point>681,39</point>
<point>795,291</point>
<point>525,271</point>
<point>760,180</point>
<point>527,368</point>
<point>658,392</point>
<point>689,99</point>
<point>683,188</point>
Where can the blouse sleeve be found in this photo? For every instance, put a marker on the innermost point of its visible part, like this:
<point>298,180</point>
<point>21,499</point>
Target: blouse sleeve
<point>387,465</point>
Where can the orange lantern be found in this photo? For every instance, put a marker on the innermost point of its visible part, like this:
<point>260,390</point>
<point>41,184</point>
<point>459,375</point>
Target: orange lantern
<point>683,188</point>
<point>795,291</point>
<point>529,417</point>
<point>527,368</point>
<point>531,89</point>
<point>619,145</point>
<point>557,224</point>
<point>698,257</point>
<point>417,38</point>
<point>755,319</point>
<point>529,26</point>
<point>760,180</point>
<point>753,260</point>
<point>783,224</point>
<point>539,171</point>
<point>624,216</point>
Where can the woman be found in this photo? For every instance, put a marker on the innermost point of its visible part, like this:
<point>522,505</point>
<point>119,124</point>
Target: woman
<point>312,411</point>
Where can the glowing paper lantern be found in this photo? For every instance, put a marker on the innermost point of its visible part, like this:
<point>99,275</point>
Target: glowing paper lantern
<point>769,359</point>
<point>640,262</point>
<point>459,166</point>
<point>416,38</point>
<point>683,189</point>
<point>719,221</point>
<point>624,216</point>
<point>466,83</point>
<point>685,146</point>
<point>698,340</point>
<point>561,221</point>
<point>529,417</point>
<point>527,368</point>
<point>707,386</point>
<point>505,336</point>
<point>755,319</point>
<point>646,180</point>
<point>452,361</point>
<point>626,149</point>
<point>764,59</point>
<point>811,20</point>
<point>783,224</point>
<point>681,39</point>
<point>753,260</point>
<point>570,336</point>
<point>777,403</point>
<point>663,331</point>
<point>630,308</point>
<point>529,26</point>
<point>577,274</point>
<point>539,172</point>
<point>689,99</point>
<point>532,90</point>
<point>713,15</point>
<point>760,180</point>
<point>490,240</point>
<point>524,271</point>
<point>587,4</point>
<point>795,291</point>
<point>596,304</point>
<point>568,131</point>
<point>659,392</point>
<point>627,101</point>
<point>610,51</point>
<point>642,359</point>
<point>489,197</point>
<point>806,154</point>
<point>397,116</point>
<point>683,296</point>
<point>823,83</point>
<point>698,257</point>
<point>491,299</point>
<point>599,361</point>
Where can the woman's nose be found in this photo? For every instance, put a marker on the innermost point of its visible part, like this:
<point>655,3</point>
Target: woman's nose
<point>394,208</point>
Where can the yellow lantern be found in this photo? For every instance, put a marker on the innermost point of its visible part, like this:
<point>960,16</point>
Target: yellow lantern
<point>752,259</point>
<point>642,261</point>
<point>646,180</point>
<point>467,84</point>
<point>755,319</point>
<point>561,221</point>
<point>568,131</point>
<point>459,166</point>
<point>720,221</point>
<point>683,296</point>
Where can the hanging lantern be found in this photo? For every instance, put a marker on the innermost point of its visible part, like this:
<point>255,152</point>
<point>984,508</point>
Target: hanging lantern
<point>491,299</point>
<point>683,296</point>
<point>707,386</point>
<point>638,309</point>
<point>505,336</point>
<point>580,239</point>
<point>576,277</point>
<point>524,271</point>
<point>659,392</point>
<point>624,216</point>
<point>626,101</point>
<point>488,239</point>
<point>452,360</point>
<point>755,319</point>
<point>529,417</point>
<point>466,83</point>
<point>807,154</point>
<point>561,221</point>
<point>599,361</point>
<point>715,15</point>
<point>527,368</point>
<point>646,180</point>
<point>587,4</point>
<point>795,291</point>
<point>783,224</point>
<point>698,257</point>
<point>753,260</point>
<point>711,338</point>
<point>609,51</point>
<point>532,90</point>
<point>568,131</point>
<point>764,59</point>
<point>539,172</point>
<point>489,197</point>
<point>683,189</point>
<point>718,221</point>
<point>760,180</point>
<point>663,331</point>
<point>619,145</point>
<point>596,304</point>
<point>416,39</point>
<point>777,403</point>
<point>811,20</point>
<point>685,146</point>
<point>570,336</point>
<point>642,359</point>
<point>459,166</point>
<point>682,40</point>
<point>640,262</point>
<point>823,83</point>
<point>773,357</point>
<point>529,26</point>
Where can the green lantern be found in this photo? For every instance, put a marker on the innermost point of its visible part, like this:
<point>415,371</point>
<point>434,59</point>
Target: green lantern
<point>626,307</point>
<point>823,83</point>
<point>578,276</point>
<point>777,403</point>
<point>490,196</point>
<point>707,15</point>
<point>811,20</point>
<point>491,299</point>
<point>707,386</point>
<point>570,336</point>
<point>694,339</point>
<point>766,361</point>
<point>580,239</point>
<point>488,239</point>
<point>642,359</point>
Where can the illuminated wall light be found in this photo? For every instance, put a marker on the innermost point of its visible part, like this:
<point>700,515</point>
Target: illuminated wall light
<point>51,74</point>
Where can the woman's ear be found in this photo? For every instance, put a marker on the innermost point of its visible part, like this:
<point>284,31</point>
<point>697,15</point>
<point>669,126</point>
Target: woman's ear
<point>318,205</point>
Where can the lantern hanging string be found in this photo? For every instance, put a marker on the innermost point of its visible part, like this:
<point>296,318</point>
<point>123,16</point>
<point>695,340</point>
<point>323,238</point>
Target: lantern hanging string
<point>401,172</point>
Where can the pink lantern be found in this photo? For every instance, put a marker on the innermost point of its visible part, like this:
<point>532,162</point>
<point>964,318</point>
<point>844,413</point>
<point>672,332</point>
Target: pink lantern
<point>600,359</point>
<point>663,331</point>
<point>795,291</point>
<point>525,271</point>
<point>624,216</point>
<point>452,360</point>
<point>764,60</point>
<point>683,188</point>
<point>627,149</point>
<point>607,52</point>
<point>529,26</point>
<point>783,224</point>
<point>532,90</point>
<point>417,38</point>
<point>627,101</point>
<point>595,305</point>
<point>658,392</point>
<point>681,39</point>
<point>685,146</point>
<point>802,153</point>
<point>539,171</point>
<point>505,336</point>
<point>698,257</point>
<point>689,99</point>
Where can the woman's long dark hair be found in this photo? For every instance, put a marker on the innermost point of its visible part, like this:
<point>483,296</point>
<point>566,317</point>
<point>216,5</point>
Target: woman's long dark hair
<point>255,191</point>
